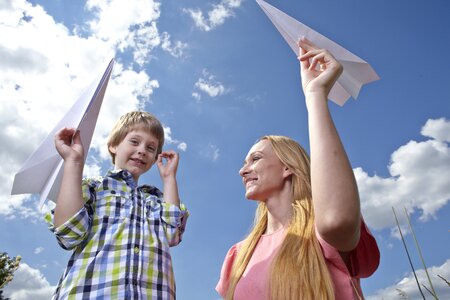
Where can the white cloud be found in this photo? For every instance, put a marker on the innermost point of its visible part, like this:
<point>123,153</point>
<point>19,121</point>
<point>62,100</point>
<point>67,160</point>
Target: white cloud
<point>168,140</point>
<point>142,40</point>
<point>211,152</point>
<point>176,50</point>
<point>438,129</point>
<point>419,180</point>
<point>212,89</point>
<point>38,250</point>
<point>208,85</point>
<point>45,68</point>
<point>197,96</point>
<point>29,283</point>
<point>182,146</point>
<point>91,168</point>
<point>113,18</point>
<point>408,285</point>
<point>216,16</point>
<point>127,25</point>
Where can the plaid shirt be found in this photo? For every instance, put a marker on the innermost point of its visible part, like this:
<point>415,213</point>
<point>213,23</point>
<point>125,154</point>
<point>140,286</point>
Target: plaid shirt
<point>121,239</point>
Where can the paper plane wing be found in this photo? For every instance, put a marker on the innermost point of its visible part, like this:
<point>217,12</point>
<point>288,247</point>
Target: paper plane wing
<point>357,72</point>
<point>42,171</point>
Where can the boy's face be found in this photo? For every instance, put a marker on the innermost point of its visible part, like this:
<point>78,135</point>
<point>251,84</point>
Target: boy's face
<point>136,152</point>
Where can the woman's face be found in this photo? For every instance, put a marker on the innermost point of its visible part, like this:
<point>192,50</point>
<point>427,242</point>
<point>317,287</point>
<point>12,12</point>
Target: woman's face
<point>263,174</point>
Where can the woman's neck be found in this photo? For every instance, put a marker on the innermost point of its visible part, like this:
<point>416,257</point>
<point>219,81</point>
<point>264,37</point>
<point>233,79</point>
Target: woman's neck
<point>279,210</point>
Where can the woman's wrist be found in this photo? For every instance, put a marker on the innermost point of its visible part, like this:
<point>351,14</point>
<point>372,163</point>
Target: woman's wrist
<point>316,98</point>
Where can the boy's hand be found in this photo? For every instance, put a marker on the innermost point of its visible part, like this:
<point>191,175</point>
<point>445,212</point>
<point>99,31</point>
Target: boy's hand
<point>169,169</point>
<point>68,144</point>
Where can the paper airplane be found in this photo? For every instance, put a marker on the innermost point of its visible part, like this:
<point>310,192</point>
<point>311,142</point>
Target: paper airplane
<point>357,72</point>
<point>42,171</point>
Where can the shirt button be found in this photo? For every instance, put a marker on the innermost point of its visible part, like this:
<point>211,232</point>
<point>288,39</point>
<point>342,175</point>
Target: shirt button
<point>136,249</point>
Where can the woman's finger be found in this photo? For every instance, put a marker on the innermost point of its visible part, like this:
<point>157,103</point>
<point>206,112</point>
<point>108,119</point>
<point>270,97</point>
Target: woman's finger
<point>311,53</point>
<point>306,44</point>
<point>303,62</point>
<point>318,59</point>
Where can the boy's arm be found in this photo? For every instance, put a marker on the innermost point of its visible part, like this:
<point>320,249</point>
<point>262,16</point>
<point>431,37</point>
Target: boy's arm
<point>168,173</point>
<point>70,199</point>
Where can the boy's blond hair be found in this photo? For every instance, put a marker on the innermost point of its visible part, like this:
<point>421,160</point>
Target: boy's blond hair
<point>133,120</point>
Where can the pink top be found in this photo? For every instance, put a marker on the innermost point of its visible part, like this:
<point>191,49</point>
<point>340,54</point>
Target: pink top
<point>254,282</point>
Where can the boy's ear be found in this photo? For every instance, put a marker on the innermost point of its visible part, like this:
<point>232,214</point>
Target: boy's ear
<point>112,149</point>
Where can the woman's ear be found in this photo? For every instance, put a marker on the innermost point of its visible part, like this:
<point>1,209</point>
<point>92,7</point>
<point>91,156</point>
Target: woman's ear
<point>287,172</point>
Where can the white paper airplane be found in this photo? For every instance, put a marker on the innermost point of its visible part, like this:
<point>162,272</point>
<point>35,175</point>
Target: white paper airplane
<point>42,171</point>
<point>357,72</point>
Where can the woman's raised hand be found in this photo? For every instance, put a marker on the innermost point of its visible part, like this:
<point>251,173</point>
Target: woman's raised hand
<point>319,69</point>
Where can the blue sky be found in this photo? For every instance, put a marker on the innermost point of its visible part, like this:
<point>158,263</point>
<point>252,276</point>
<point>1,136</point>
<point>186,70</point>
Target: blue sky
<point>219,76</point>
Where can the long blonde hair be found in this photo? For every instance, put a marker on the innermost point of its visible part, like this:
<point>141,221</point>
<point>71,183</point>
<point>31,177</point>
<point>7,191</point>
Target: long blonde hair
<point>298,270</point>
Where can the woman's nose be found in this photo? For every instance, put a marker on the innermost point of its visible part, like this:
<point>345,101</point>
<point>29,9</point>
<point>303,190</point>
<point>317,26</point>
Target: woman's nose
<point>243,171</point>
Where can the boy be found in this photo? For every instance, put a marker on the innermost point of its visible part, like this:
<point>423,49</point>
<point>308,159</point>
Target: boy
<point>120,232</point>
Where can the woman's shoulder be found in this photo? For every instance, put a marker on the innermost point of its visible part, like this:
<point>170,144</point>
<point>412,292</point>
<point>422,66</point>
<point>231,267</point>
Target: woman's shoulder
<point>227,265</point>
<point>232,252</point>
<point>231,256</point>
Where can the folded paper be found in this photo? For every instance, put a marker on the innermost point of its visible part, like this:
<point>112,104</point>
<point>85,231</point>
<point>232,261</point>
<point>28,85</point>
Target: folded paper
<point>357,72</point>
<point>42,171</point>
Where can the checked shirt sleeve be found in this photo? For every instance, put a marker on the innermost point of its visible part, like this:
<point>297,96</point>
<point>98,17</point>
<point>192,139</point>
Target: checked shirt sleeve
<point>73,231</point>
<point>175,218</point>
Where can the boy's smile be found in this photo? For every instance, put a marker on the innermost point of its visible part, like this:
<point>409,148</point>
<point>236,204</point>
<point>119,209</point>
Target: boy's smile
<point>136,153</point>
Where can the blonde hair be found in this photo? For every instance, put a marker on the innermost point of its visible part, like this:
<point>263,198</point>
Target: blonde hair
<point>130,121</point>
<point>298,270</point>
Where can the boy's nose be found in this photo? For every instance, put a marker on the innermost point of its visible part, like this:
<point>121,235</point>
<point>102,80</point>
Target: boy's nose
<point>142,151</point>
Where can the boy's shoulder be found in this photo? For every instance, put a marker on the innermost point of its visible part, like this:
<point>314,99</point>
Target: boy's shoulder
<point>152,190</point>
<point>93,181</point>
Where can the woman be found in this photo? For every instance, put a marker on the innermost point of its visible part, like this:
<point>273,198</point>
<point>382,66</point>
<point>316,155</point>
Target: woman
<point>309,240</point>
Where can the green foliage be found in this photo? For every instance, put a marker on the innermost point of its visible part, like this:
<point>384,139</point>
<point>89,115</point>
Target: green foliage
<point>7,268</point>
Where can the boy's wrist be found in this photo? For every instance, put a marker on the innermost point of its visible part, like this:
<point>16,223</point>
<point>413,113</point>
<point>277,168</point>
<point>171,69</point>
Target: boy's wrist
<point>74,165</point>
<point>169,179</point>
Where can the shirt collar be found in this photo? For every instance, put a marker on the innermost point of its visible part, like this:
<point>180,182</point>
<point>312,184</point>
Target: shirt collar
<point>126,176</point>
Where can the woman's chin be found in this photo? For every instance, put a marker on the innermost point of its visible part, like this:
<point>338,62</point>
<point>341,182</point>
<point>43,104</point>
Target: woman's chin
<point>253,197</point>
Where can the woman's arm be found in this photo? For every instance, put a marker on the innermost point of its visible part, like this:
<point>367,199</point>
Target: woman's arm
<point>334,190</point>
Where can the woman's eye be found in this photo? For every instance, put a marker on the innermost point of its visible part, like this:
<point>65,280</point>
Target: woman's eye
<point>255,158</point>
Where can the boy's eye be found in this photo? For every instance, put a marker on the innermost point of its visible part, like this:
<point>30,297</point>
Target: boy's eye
<point>151,149</point>
<point>134,142</point>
